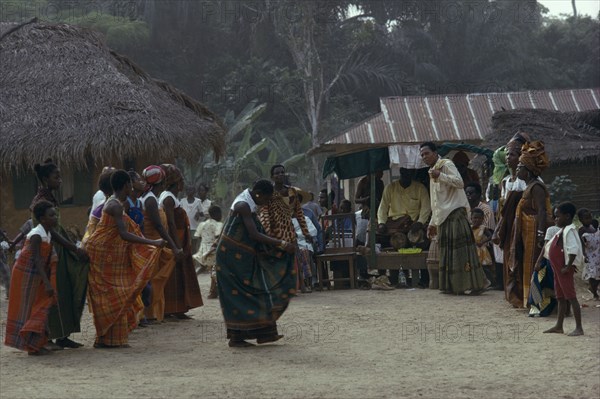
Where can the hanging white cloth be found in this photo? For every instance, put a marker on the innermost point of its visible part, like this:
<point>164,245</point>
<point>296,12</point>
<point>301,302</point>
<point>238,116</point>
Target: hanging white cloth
<point>406,156</point>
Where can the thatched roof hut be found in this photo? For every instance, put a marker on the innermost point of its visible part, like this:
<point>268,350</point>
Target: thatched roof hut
<point>572,141</point>
<point>64,94</point>
<point>568,136</point>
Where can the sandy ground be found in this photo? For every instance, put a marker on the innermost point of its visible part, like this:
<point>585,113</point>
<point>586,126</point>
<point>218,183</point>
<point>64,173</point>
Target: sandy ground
<point>338,344</point>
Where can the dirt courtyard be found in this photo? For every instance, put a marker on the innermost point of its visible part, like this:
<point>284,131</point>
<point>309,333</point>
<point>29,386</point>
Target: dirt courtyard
<point>338,344</point>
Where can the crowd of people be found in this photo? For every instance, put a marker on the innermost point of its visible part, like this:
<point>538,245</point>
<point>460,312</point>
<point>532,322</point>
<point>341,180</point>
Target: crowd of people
<point>138,261</point>
<point>511,244</point>
<point>133,266</point>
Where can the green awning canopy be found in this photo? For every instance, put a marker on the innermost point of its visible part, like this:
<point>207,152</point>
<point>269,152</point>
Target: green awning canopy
<point>357,164</point>
<point>373,160</point>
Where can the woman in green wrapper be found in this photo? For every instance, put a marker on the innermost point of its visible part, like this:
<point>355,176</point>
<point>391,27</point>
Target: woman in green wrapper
<point>72,269</point>
<point>254,272</point>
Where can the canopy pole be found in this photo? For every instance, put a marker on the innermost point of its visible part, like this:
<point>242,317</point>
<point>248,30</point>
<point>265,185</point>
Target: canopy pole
<point>373,222</point>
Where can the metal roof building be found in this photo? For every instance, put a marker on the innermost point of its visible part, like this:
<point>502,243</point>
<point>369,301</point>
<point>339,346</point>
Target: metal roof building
<point>456,117</point>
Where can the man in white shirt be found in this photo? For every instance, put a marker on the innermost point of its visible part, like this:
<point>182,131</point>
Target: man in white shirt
<point>205,203</point>
<point>192,207</point>
<point>460,269</point>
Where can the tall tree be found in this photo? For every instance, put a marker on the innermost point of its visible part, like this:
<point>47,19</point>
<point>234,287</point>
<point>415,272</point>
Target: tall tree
<point>305,27</point>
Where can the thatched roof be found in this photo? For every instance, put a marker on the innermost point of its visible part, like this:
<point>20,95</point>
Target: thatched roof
<point>567,136</point>
<point>64,94</point>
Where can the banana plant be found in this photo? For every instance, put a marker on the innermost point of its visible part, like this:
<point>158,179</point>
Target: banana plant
<point>250,154</point>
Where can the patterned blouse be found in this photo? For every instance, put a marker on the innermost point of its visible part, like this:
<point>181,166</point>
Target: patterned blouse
<point>276,216</point>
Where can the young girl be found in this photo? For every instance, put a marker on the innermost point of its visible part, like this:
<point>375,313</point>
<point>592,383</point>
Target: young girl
<point>590,236</point>
<point>71,271</point>
<point>566,253</point>
<point>483,237</point>
<point>33,286</point>
<point>304,255</point>
<point>209,232</point>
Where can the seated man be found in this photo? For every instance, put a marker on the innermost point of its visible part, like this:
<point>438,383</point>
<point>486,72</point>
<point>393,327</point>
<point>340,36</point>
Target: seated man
<point>404,201</point>
<point>461,160</point>
<point>363,192</point>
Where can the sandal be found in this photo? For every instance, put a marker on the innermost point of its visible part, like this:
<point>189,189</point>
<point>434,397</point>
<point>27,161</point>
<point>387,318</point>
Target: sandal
<point>68,343</point>
<point>51,346</point>
<point>266,340</point>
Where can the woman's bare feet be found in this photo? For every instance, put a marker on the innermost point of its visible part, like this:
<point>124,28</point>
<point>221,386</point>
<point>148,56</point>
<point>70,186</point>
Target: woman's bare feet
<point>104,346</point>
<point>554,330</point>
<point>576,332</point>
<point>41,352</point>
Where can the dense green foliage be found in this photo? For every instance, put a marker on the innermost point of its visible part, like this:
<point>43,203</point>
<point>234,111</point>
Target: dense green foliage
<point>320,66</point>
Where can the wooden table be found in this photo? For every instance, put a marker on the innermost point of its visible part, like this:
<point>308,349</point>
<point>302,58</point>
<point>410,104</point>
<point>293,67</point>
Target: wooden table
<point>396,261</point>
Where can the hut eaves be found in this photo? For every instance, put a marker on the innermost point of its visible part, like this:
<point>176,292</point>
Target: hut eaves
<point>64,94</point>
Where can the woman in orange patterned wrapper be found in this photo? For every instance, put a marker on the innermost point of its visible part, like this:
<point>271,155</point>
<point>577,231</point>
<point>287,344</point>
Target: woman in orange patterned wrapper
<point>155,222</point>
<point>33,284</point>
<point>532,216</point>
<point>122,262</point>
<point>182,291</point>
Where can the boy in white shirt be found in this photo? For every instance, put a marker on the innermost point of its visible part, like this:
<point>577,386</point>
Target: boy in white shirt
<point>565,253</point>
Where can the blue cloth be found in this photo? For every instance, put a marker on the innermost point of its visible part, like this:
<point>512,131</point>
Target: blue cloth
<point>147,295</point>
<point>542,284</point>
<point>135,212</point>
<point>313,218</point>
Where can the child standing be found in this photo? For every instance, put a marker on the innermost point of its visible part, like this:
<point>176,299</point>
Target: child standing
<point>5,271</point>
<point>590,236</point>
<point>566,253</point>
<point>483,237</point>
<point>209,232</point>
<point>33,286</point>
<point>193,208</point>
<point>304,255</point>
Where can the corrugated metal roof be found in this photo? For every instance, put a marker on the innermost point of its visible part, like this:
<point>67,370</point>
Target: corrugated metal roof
<point>456,117</point>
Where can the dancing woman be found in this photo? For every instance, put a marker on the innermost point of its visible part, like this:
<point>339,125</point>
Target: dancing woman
<point>254,271</point>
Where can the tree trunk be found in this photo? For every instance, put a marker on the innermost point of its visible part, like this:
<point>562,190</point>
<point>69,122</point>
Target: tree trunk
<point>574,8</point>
